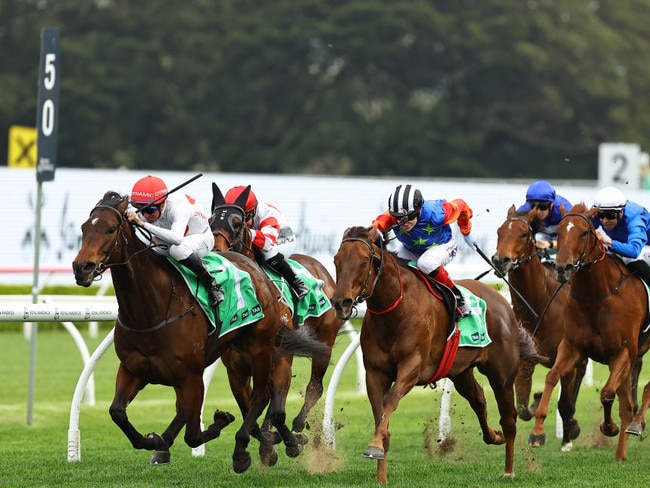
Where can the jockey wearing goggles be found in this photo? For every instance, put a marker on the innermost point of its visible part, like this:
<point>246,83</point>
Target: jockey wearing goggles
<point>542,197</point>
<point>179,223</point>
<point>624,229</point>
<point>420,230</point>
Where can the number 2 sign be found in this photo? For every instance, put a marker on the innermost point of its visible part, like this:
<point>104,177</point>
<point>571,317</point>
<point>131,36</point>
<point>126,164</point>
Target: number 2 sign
<point>618,165</point>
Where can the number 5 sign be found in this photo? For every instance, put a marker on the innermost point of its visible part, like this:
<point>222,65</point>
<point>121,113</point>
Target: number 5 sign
<point>47,117</point>
<point>618,165</point>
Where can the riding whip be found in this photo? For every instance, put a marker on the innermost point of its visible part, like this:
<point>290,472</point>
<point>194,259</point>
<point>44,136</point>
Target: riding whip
<point>195,177</point>
<point>500,275</point>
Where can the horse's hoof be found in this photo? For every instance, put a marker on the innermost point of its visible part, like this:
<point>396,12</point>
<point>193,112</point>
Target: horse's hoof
<point>535,440</point>
<point>524,414</point>
<point>301,438</point>
<point>160,457</point>
<point>634,429</point>
<point>222,418</point>
<point>268,454</point>
<point>293,450</point>
<point>373,452</point>
<point>573,429</point>
<point>566,446</point>
<point>242,464</point>
<point>610,430</point>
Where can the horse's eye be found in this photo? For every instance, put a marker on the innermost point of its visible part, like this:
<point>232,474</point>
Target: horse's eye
<point>111,230</point>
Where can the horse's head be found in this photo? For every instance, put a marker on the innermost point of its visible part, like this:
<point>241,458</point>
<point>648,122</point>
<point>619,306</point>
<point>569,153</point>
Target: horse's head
<point>228,222</point>
<point>357,264</point>
<point>515,241</point>
<point>577,242</point>
<point>100,236</point>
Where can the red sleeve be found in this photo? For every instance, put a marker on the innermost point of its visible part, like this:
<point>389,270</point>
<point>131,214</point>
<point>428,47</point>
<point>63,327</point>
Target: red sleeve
<point>458,210</point>
<point>384,221</point>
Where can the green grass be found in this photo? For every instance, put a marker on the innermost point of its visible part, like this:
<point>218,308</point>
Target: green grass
<point>36,455</point>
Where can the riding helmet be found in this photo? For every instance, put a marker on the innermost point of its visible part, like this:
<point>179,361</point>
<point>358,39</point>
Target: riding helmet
<point>540,190</point>
<point>251,201</point>
<point>406,200</point>
<point>149,189</point>
<point>610,198</point>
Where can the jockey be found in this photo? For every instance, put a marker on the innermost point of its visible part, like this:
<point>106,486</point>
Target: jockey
<point>624,229</point>
<point>424,233</point>
<point>541,196</point>
<point>179,223</point>
<point>270,233</point>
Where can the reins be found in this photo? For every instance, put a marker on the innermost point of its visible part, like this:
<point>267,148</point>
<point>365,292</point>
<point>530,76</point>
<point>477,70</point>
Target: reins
<point>99,270</point>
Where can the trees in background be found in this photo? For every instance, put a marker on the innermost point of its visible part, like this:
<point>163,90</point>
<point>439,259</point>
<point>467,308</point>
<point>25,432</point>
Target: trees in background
<point>500,88</point>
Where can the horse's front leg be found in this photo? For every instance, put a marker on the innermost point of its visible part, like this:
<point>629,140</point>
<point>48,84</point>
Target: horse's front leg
<point>384,400</point>
<point>566,361</point>
<point>523,381</point>
<point>638,422</point>
<point>127,387</point>
<point>261,367</point>
<point>570,386</point>
<point>618,384</point>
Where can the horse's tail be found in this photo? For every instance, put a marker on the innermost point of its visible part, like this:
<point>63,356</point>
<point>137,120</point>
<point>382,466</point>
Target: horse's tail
<point>301,342</point>
<point>527,348</point>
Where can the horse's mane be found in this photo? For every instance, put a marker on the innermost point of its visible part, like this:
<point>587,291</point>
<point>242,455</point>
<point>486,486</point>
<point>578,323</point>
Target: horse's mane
<point>358,232</point>
<point>111,199</point>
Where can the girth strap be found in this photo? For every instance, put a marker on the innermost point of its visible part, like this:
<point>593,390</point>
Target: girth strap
<point>168,320</point>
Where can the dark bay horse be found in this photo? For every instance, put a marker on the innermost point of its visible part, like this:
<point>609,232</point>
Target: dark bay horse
<point>605,310</point>
<point>404,333</point>
<point>517,257</point>
<point>162,334</point>
<point>231,233</point>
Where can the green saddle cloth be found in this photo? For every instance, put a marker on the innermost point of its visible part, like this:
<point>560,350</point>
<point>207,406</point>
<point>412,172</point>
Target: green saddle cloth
<point>240,306</point>
<point>473,328</point>
<point>314,304</point>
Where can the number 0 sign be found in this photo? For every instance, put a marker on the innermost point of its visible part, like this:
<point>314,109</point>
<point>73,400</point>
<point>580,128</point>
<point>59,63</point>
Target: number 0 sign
<point>47,117</point>
<point>618,165</point>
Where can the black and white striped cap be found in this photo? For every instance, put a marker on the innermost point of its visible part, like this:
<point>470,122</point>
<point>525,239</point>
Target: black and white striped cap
<point>405,200</point>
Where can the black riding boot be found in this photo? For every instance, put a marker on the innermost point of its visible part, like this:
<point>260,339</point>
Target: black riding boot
<point>278,264</point>
<point>215,293</point>
<point>641,268</point>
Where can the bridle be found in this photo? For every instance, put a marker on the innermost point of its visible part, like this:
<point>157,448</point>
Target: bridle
<point>374,257</point>
<point>234,238</point>
<point>584,262</point>
<point>530,243</point>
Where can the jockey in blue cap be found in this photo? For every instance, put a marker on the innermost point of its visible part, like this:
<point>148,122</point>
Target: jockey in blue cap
<point>542,197</point>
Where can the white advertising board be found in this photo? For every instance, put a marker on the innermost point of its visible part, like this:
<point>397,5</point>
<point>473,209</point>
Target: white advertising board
<point>319,208</point>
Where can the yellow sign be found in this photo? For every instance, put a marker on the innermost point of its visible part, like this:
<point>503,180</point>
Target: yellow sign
<point>22,147</point>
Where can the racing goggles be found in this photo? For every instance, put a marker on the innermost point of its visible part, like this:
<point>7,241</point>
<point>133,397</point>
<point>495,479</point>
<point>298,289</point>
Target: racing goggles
<point>540,204</point>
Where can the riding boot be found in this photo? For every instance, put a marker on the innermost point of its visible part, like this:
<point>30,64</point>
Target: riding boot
<point>215,292</point>
<point>641,268</point>
<point>441,276</point>
<point>278,264</point>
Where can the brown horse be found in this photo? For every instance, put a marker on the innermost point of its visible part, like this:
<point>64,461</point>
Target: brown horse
<point>404,333</point>
<point>606,307</point>
<point>162,334</point>
<point>517,257</point>
<point>231,233</point>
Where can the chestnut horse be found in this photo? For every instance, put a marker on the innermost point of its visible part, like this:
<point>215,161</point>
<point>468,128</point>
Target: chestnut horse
<point>162,334</point>
<point>605,310</point>
<point>404,333</point>
<point>517,257</point>
<point>231,233</point>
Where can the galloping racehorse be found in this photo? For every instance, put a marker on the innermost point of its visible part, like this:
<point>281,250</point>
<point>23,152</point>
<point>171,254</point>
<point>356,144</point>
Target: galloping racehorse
<point>605,310</point>
<point>231,233</point>
<point>404,334</point>
<point>162,333</point>
<point>517,257</point>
